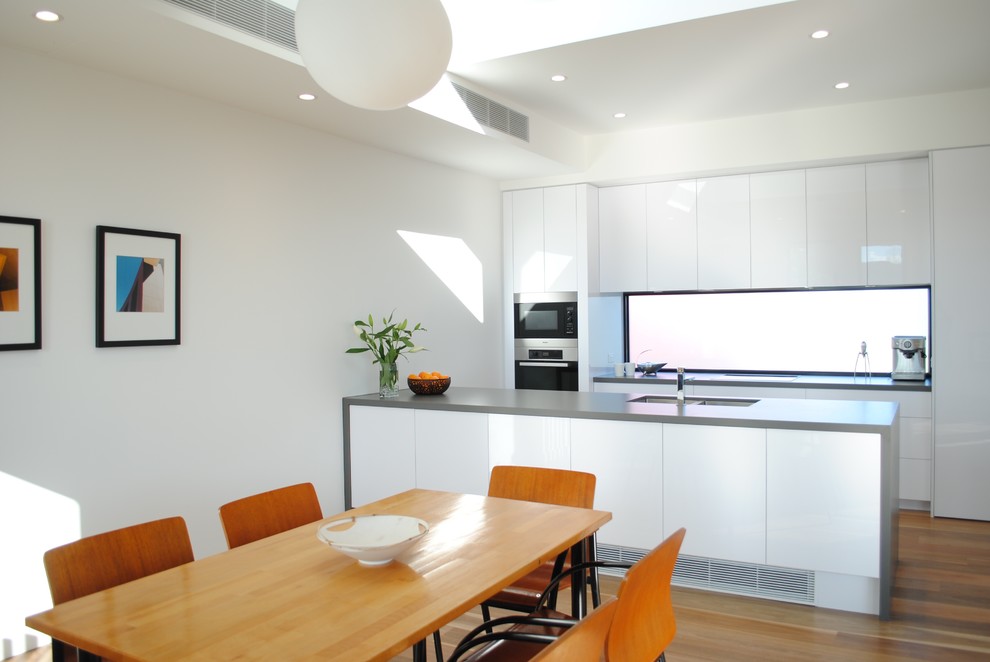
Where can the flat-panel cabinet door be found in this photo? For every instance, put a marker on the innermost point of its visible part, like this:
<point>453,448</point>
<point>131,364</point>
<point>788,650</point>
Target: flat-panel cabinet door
<point>383,452</point>
<point>627,460</point>
<point>836,226</point>
<point>529,441</point>
<point>714,484</point>
<point>815,521</point>
<point>622,238</point>
<point>672,236</point>
<point>560,239</point>
<point>527,239</point>
<point>723,233</point>
<point>452,451</point>
<point>778,229</point>
<point>898,223</point>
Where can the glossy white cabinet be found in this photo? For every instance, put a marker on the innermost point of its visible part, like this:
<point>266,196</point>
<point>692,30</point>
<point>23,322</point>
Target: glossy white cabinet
<point>452,451</point>
<point>622,245</point>
<point>778,229</point>
<point>383,452</point>
<point>815,521</point>
<point>836,225</point>
<point>714,484</point>
<point>531,441</point>
<point>961,318</point>
<point>723,233</point>
<point>544,238</point>
<point>672,236</point>
<point>898,223</point>
<point>627,460</point>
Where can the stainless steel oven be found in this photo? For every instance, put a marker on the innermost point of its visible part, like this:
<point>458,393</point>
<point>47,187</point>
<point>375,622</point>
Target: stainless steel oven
<point>546,315</point>
<point>546,364</point>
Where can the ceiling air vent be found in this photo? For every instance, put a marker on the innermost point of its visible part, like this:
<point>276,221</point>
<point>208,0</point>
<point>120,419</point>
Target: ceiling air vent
<point>493,114</point>
<point>268,20</point>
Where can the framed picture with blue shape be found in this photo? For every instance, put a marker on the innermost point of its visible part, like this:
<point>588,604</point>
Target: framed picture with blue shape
<point>137,287</point>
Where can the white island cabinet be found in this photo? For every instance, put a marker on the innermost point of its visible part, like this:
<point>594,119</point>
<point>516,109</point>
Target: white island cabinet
<point>782,499</point>
<point>627,460</point>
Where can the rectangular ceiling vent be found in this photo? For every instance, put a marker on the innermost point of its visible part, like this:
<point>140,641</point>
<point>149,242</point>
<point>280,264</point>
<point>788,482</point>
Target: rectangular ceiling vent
<point>763,581</point>
<point>268,20</point>
<point>494,115</point>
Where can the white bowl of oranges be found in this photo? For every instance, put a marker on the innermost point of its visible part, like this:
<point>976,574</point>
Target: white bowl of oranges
<point>428,383</point>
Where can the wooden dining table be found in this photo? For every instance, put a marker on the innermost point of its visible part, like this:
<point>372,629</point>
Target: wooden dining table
<point>292,597</point>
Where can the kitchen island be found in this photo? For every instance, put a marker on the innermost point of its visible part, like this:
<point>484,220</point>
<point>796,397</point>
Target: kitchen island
<point>793,500</point>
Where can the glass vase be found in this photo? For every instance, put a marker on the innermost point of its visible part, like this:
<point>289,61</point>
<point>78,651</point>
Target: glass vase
<point>388,377</point>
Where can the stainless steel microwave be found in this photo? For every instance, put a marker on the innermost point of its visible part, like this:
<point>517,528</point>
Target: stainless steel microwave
<point>545,315</point>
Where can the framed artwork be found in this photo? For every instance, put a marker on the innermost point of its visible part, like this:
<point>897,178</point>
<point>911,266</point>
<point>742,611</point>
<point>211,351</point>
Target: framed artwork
<point>20,283</point>
<point>137,287</point>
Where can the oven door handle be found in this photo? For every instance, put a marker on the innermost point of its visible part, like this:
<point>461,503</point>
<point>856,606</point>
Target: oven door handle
<point>545,364</point>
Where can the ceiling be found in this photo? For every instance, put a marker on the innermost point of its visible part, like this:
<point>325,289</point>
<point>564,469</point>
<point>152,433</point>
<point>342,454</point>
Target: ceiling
<point>636,57</point>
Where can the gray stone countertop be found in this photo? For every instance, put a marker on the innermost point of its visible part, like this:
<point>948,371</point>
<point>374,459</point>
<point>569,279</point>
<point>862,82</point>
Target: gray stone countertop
<point>807,414</point>
<point>876,382</point>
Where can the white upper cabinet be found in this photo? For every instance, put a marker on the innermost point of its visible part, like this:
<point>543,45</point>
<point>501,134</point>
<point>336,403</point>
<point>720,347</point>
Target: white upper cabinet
<point>836,226</point>
<point>622,244</point>
<point>778,229</point>
<point>544,238</point>
<point>723,233</point>
<point>672,236</point>
<point>898,223</point>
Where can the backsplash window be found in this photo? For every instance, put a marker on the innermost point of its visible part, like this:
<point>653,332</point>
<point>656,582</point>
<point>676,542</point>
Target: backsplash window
<point>800,331</point>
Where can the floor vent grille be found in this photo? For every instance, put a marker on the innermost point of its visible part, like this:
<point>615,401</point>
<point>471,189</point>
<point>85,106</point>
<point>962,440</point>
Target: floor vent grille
<point>765,581</point>
<point>268,20</point>
<point>492,114</point>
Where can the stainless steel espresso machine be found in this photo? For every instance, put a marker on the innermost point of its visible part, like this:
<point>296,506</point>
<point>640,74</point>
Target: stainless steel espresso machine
<point>909,357</point>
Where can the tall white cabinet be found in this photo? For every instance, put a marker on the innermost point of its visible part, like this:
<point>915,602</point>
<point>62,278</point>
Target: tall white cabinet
<point>544,238</point>
<point>836,226</point>
<point>961,206</point>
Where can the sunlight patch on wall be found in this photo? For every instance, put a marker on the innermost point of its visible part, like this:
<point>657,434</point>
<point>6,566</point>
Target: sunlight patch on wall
<point>454,264</point>
<point>40,520</point>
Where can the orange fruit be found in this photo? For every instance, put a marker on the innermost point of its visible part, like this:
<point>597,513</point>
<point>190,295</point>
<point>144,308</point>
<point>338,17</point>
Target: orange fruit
<point>412,376</point>
<point>435,375</point>
<point>424,375</point>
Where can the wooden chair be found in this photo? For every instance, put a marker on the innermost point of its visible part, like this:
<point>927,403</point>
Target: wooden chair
<point>261,515</point>
<point>109,559</point>
<point>555,486</point>
<point>641,627</point>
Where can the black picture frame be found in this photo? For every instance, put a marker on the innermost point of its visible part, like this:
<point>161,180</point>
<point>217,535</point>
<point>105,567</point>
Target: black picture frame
<point>138,294</point>
<point>20,283</point>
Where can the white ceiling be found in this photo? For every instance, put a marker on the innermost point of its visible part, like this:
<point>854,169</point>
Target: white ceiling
<point>675,69</point>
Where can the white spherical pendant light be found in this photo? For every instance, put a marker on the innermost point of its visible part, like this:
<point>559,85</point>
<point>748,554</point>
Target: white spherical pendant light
<point>374,54</point>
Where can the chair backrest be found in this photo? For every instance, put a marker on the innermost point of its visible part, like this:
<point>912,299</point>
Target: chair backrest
<point>262,515</point>
<point>108,559</point>
<point>585,642</point>
<point>644,624</point>
<point>560,487</point>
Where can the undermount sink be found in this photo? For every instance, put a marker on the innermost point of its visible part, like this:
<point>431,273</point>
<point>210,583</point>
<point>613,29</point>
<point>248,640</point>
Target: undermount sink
<point>672,400</point>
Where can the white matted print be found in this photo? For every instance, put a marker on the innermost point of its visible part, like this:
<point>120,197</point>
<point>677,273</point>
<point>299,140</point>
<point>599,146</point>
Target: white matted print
<point>137,287</point>
<point>20,283</point>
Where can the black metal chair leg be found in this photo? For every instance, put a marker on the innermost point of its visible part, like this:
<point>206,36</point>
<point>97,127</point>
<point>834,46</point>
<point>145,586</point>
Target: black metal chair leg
<point>419,651</point>
<point>596,597</point>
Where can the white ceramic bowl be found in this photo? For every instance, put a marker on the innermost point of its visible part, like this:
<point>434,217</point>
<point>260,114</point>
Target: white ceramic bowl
<point>373,539</point>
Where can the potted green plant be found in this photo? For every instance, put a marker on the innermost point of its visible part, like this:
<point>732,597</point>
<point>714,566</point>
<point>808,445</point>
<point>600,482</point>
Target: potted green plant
<point>386,344</point>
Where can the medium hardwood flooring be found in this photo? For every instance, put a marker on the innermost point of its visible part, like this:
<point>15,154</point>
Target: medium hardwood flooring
<point>941,611</point>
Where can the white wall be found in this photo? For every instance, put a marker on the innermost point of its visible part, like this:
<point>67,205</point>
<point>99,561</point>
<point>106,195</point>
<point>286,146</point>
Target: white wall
<point>288,235</point>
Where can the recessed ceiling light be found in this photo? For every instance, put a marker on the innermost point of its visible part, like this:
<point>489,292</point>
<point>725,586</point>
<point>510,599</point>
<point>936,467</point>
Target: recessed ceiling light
<point>306,96</point>
<point>841,86</point>
<point>558,78</point>
<point>819,34</point>
<point>47,16</point>
<point>619,116</point>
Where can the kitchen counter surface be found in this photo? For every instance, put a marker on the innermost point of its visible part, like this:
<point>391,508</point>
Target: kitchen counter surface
<point>878,382</point>
<point>837,415</point>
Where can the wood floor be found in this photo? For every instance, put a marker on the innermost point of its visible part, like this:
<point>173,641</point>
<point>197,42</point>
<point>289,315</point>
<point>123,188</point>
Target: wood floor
<point>941,611</point>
